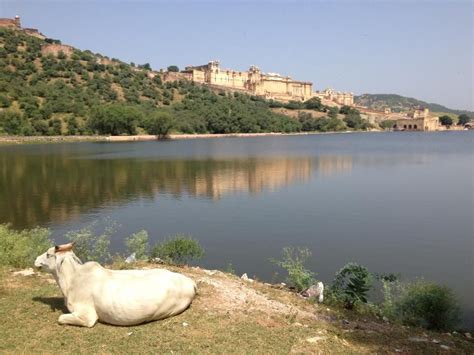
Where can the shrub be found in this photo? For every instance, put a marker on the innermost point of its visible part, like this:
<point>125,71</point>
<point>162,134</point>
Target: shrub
<point>173,68</point>
<point>446,120</point>
<point>387,124</point>
<point>428,305</point>
<point>179,250</point>
<point>20,248</point>
<point>463,119</point>
<point>138,243</point>
<point>14,122</point>
<point>4,101</point>
<point>293,262</point>
<point>92,247</point>
<point>159,124</point>
<point>351,285</point>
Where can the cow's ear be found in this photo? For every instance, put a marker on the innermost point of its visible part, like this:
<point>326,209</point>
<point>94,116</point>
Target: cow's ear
<point>63,247</point>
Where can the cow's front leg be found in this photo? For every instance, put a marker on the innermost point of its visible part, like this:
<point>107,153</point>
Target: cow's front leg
<point>81,319</point>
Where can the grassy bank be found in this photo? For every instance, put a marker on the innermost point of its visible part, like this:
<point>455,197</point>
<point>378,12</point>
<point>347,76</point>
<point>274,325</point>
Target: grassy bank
<point>228,316</point>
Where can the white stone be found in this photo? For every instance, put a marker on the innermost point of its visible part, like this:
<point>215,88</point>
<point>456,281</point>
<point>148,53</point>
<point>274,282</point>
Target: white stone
<point>315,291</point>
<point>445,347</point>
<point>315,339</point>
<point>131,258</point>
<point>185,324</point>
<point>246,278</point>
<point>468,335</point>
<point>418,339</point>
<point>26,272</point>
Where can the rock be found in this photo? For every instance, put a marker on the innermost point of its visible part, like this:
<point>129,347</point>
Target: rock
<point>161,261</point>
<point>26,272</point>
<point>130,333</point>
<point>210,272</point>
<point>435,341</point>
<point>131,258</point>
<point>185,324</point>
<point>445,347</point>
<point>315,291</point>
<point>314,340</point>
<point>246,278</point>
<point>468,335</point>
<point>297,324</point>
<point>345,321</point>
<point>398,350</point>
<point>385,319</point>
<point>418,339</point>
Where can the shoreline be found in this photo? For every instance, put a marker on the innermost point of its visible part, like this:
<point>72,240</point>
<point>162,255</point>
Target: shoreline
<point>148,137</point>
<point>6,140</point>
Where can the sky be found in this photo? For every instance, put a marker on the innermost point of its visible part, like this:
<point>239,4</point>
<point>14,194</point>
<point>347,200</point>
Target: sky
<point>416,48</point>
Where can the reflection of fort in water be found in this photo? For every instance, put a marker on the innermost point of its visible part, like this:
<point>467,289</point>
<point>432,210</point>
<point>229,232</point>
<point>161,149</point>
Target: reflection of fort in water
<point>40,189</point>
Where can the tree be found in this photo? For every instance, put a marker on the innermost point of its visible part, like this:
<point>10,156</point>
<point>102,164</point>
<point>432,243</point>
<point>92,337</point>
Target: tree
<point>387,124</point>
<point>173,68</point>
<point>314,104</point>
<point>446,120</point>
<point>14,123</point>
<point>115,119</point>
<point>4,102</point>
<point>159,124</point>
<point>463,119</point>
<point>332,112</point>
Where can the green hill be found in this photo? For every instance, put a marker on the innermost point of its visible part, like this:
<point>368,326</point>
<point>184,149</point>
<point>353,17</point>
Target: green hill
<point>398,103</point>
<point>86,93</point>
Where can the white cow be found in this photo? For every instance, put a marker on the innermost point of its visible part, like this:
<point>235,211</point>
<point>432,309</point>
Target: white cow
<point>120,297</point>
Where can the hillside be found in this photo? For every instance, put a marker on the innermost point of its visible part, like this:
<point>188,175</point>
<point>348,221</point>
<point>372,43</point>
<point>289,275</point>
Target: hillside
<point>48,89</point>
<point>398,103</point>
<point>59,92</point>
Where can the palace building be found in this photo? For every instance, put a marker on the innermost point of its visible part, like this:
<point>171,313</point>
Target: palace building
<point>253,81</point>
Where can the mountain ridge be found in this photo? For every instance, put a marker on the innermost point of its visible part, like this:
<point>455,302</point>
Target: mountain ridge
<point>399,103</point>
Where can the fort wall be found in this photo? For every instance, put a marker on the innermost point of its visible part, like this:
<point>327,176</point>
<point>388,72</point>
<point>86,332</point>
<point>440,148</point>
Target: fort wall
<point>10,22</point>
<point>252,81</point>
<point>55,49</point>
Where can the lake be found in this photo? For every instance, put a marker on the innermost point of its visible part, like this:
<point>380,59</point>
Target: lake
<point>395,202</point>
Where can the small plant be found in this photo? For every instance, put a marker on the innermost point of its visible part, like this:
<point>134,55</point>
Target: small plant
<point>178,250</point>
<point>138,243</point>
<point>90,246</point>
<point>230,269</point>
<point>351,285</point>
<point>293,262</point>
<point>20,248</point>
<point>428,305</point>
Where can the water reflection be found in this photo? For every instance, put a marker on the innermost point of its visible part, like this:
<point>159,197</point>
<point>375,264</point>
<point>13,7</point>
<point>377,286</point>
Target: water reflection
<point>39,189</point>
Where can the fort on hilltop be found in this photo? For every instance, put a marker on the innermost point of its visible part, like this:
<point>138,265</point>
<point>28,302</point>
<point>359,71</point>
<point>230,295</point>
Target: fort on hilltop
<point>15,24</point>
<point>255,82</point>
<point>252,81</point>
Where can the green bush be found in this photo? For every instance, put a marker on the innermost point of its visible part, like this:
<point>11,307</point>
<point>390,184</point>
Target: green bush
<point>351,285</point>
<point>90,246</point>
<point>20,248</point>
<point>428,305</point>
<point>138,243</point>
<point>387,124</point>
<point>446,120</point>
<point>159,124</point>
<point>293,262</point>
<point>178,250</point>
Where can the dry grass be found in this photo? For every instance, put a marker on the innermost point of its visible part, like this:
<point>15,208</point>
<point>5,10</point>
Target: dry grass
<point>228,316</point>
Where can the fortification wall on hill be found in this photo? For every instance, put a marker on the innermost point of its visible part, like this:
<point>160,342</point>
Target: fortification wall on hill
<point>55,49</point>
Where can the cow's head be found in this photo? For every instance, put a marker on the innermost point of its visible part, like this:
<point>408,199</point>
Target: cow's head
<point>53,257</point>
